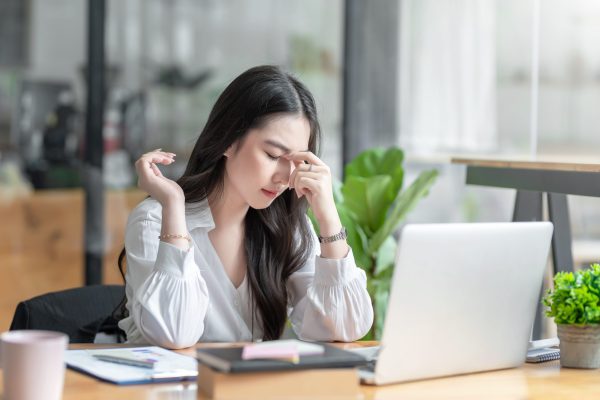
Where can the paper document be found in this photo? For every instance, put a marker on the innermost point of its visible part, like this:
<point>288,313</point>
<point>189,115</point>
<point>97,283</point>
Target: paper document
<point>168,365</point>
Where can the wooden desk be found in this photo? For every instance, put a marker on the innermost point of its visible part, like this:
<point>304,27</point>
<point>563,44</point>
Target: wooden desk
<point>532,381</point>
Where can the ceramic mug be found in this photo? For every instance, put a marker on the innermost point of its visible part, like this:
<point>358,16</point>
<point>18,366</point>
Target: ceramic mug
<point>33,364</point>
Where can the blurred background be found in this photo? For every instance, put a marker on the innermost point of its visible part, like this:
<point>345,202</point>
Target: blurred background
<point>437,78</point>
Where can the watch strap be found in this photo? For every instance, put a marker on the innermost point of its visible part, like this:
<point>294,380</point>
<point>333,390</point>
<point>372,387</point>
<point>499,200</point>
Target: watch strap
<point>341,235</point>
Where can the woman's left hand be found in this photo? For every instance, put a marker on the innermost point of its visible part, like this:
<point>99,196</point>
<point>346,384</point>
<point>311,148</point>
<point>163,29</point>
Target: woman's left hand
<point>312,178</point>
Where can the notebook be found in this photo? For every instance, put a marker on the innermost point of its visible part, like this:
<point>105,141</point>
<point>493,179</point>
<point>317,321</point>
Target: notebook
<point>230,360</point>
<point>168,366</point>
<point>543,355</point>
<point>543,350</point>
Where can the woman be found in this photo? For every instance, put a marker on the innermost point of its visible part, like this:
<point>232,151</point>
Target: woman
<point>227,253</point>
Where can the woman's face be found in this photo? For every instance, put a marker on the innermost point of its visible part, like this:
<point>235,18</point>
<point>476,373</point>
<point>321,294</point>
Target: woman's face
<point>255,170</point>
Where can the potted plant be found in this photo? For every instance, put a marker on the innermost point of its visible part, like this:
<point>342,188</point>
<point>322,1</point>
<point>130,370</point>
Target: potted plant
<point>371,205</point>
<point>575,306</point>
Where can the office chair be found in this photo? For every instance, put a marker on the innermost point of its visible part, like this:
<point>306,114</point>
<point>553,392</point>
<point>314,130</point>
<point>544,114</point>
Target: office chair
<point>78,312</point>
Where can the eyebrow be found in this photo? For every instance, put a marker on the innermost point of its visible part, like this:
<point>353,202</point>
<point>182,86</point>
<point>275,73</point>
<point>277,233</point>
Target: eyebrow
<point>279,145</point>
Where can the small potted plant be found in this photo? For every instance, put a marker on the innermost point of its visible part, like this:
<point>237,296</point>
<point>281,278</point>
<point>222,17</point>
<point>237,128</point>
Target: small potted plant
<point>575,306</point>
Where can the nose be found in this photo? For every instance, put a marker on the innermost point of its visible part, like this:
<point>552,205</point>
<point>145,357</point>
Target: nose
<point>284,170</point>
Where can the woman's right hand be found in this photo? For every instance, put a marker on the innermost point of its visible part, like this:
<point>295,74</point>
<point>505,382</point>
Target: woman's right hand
<point>152,181</point>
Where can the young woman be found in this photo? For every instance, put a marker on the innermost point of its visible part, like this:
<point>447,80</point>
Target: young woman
<point>227,253</point>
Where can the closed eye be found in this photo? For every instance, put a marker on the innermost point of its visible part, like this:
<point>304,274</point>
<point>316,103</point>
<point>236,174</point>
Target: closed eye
<point>272,157</point>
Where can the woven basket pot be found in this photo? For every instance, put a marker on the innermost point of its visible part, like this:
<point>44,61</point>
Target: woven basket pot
<point>579,346</point>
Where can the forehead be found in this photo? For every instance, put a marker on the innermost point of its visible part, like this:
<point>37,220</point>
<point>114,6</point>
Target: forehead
<point>289,130</point>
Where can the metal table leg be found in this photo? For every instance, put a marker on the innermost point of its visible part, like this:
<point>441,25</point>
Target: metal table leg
<point>528,207</point>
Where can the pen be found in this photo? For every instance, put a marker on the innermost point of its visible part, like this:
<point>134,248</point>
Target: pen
<point>125,361</point>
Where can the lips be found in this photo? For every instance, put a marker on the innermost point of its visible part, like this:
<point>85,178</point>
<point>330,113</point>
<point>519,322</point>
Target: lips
<point>270,193</point>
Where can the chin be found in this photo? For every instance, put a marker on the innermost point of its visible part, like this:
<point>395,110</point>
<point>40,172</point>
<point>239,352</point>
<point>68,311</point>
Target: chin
<point>260,207</point>
<point>261,204</point>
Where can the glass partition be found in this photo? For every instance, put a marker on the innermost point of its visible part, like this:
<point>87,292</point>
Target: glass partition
<point>166,63</point>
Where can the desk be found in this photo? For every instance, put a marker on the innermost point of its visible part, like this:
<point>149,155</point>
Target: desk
<point>532,381</point>
<point>532,179</point>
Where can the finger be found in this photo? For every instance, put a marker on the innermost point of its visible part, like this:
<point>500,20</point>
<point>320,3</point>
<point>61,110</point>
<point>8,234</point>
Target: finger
<point>304,174</point>
<point>306,156</point>
<point>161,153</point>
<point>307,186</point>
<point>144,166</point>
<point>156,158</point>
<point>147,171</point>
<point>167,154</point>
<point>156,170</point>
<point>302,168</point>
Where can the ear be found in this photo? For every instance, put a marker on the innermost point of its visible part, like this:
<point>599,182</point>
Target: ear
<point>232,149</point>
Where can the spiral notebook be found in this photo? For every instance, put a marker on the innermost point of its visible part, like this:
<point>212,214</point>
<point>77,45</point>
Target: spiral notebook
<point>542,355</point>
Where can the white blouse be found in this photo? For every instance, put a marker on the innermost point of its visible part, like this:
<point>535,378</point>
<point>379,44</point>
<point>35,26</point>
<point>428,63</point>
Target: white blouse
<point>176,297</point>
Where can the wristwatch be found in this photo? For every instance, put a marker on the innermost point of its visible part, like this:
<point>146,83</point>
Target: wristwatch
<point>341,235</point>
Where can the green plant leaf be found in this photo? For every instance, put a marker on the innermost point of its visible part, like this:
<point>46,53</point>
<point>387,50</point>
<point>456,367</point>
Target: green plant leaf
<point>357,240</point>
<point>338,196</point>
<point>385,256</point>
<point>379,161</point>
<point>405,202</point>
<point>379,292</point>
<point>366,200</point>
<point>575,298</point>
<point>371,204</point>
<point>365,164</point>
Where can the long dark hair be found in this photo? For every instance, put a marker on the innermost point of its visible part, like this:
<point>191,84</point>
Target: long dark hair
<point>278,238</point>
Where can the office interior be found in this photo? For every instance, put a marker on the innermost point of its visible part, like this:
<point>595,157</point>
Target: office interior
<point>436,78</point>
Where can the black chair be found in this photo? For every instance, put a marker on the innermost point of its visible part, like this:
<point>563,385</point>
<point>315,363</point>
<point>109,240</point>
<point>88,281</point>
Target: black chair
<point>79,312</point>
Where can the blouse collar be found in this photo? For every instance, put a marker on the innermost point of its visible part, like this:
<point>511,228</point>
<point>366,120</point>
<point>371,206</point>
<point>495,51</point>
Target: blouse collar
<point>198,215</point>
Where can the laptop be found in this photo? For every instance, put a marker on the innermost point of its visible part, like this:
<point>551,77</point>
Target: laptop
<point>463,299</point>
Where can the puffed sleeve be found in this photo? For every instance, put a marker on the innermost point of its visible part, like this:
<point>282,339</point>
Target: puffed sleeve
<point>329,299</point>
<point>167,296</point>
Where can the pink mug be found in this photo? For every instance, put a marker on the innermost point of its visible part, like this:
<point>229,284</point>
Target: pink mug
<point>33,364</point>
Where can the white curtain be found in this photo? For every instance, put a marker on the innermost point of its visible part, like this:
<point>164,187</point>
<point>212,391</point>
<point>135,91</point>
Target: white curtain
<point>448,76</point>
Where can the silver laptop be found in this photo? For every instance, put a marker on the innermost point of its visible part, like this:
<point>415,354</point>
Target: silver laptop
<point>463,299</point>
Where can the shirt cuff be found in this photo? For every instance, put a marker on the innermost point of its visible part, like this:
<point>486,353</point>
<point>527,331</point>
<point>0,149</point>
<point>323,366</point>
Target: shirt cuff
<point>336,271</point>
<point>175,261</point>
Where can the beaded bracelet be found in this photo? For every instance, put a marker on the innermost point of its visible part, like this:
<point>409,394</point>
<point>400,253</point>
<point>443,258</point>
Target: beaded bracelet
<point>177,236</point>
